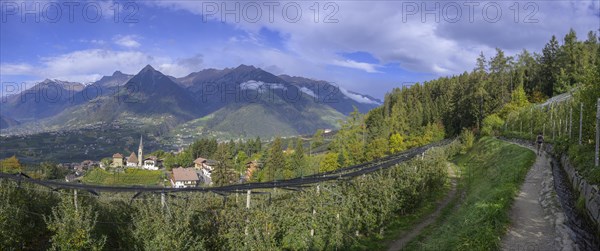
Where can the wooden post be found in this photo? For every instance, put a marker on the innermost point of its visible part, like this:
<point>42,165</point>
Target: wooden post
<point>566,123</point>
<point>553,131</point>
<point>163,200</point>
<point>552,119</point>
<point>531,122</point>
<point>570,122</point>
<point>544,129</point>
<point>559,126</point>
<point>248,199</point>
<point>597,131</point>
<point>75,198</point>
<point>580,121</point>
<point>312,230</point>
<point>521,129</point>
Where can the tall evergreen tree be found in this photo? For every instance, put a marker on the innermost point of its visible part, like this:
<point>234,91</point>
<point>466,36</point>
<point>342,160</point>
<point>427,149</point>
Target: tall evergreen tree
<point>222,175</point>
<point>298,159</point>
<point>549,66</point>
<point>275,163</point>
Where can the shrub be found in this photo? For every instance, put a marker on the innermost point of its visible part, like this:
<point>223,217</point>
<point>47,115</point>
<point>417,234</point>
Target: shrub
<point>492,125</point>
<point>467,138</point>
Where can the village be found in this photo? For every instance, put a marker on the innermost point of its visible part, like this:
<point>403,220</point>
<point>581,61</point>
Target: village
<point>180,177</point>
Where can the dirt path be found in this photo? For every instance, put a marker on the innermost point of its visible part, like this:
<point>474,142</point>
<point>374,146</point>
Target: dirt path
<point>406,237</point>
<point>530,229</point>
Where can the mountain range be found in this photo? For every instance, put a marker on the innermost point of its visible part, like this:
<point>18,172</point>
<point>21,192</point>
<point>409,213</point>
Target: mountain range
<point>240,102</point>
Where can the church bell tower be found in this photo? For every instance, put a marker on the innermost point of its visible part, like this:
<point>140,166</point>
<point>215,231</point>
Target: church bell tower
<point>140,153</point>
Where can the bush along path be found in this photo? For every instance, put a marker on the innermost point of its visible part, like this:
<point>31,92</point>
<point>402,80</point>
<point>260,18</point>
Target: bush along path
<point>406,237</point>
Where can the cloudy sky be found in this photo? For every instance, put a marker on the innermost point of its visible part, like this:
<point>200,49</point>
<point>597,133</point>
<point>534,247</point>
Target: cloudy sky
<point>366,46</point>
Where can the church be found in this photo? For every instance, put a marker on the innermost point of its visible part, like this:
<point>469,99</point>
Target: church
<point>133,160</point>
<point>137,161</point>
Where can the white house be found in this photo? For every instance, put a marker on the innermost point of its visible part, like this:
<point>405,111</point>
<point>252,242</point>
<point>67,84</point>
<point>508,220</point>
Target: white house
<point>184,177</point>
<point>151,163</point>
<point>205,167</point>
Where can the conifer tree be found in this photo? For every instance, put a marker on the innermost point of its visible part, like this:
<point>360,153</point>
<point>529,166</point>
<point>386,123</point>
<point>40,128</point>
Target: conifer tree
<point>275,163</point>
<point>298,158</point>
<point>221,174</point>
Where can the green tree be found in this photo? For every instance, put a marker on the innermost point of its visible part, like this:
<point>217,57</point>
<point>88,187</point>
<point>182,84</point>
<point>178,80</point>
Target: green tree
<point>184,159</point>
<point>159,154</point>
<point>317,139</point>
<point>173,227</point>
<point>549,66</point>
<point>240,161</point>
<point>377,148</point>
<point>329,162</point>
<point>518,101</point>
<point>10,165</point>
<point>221,175</point>
<point>204,148</point>
<point>492,125</point>
<point>255,146</point>
<point>106,162</point>
<point>397,143</point>
<point>170,161</point>
<point>481,65</point>
<point>350,139</point>
<point>52,171</point>
<point>274,166</point>
<point>74,226</point>
<point>298,158</point>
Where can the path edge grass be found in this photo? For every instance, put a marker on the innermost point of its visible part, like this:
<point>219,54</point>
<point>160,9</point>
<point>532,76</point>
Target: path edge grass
<point>493,172</point>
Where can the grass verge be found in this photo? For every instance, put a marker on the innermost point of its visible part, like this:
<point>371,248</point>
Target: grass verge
<point>128,178</point>
<point>493,172</point>
<point>581,156</point>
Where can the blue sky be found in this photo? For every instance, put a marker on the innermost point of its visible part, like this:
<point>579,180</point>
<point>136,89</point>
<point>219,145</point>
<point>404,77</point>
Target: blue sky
<point>365,46</point>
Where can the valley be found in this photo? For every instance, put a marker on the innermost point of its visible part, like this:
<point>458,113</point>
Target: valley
<point>346,125</point>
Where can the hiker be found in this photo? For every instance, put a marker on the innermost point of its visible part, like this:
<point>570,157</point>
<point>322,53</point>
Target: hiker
<point>540,141</point>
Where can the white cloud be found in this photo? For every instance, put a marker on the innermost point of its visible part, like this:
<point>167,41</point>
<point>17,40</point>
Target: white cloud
<point>358,98</point>
<point>182,66</point>
<point>308,91</point>
<point>370,68</point>
<point>309,48</point>
<point>93,41</point>
<point>74,65</point>
<point>127,41</point>
<point>261,86</point>
<point>90,65</point>
<point>16,69</point>
<point>382,29</point>
<point>82,66</point>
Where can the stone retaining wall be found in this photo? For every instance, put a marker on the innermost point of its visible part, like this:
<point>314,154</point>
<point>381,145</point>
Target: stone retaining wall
<point>589,192</point>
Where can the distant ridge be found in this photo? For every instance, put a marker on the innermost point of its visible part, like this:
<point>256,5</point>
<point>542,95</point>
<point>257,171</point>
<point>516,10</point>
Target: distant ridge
<point>244,101</point>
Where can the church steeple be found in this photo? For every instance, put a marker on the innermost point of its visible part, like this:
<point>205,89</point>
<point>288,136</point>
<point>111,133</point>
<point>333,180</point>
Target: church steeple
<point>140,153</point>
